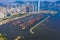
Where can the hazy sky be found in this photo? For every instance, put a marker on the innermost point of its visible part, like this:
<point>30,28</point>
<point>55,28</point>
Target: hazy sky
<point>23,0</point>
<point>48,0</point>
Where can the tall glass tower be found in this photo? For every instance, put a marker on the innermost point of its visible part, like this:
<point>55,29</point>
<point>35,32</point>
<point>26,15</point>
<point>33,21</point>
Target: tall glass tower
<point>38,5</point>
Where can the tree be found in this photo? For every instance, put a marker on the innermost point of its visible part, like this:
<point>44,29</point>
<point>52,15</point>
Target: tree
<point>2,37</point>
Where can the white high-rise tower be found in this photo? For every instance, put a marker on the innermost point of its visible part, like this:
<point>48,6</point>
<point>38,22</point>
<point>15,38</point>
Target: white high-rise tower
<point>38,5</point>
<point>34,7</point>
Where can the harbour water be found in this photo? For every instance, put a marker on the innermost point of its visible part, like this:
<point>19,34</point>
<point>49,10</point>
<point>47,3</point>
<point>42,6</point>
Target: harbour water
<point>51,30</point>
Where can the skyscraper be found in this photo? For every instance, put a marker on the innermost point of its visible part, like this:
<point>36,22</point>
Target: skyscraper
<point>35,6</point>
<point>27,9</point>
<point>38,5</point>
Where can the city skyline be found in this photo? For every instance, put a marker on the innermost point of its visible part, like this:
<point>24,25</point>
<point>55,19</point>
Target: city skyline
<point>6,1</point>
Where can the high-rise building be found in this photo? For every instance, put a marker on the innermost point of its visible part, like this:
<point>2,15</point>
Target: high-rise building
<point>35,8</point>
<point>27,9</point>
<point>30,8</point>
<point>38,5</point>
<point>34,5</point>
